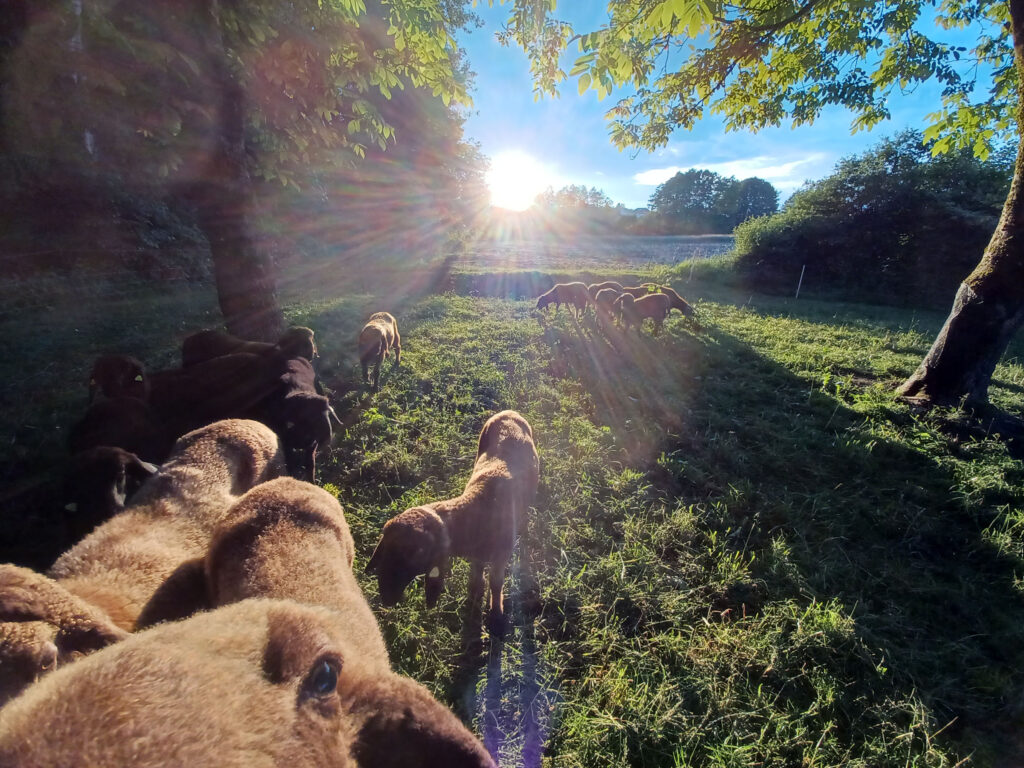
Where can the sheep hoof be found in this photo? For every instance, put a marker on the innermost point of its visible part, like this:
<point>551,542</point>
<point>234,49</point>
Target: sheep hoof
<point>496,624</point>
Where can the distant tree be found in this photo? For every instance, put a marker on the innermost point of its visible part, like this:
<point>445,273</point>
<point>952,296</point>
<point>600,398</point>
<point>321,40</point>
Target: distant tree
<point>754,197</point>
<point>765,63</point>
<point>696,202</point>
<point>574,196</point>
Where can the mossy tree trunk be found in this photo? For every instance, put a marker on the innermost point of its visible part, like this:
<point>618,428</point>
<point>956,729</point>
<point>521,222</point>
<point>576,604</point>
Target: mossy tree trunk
<point>222,194</point>
<point>989,305</point>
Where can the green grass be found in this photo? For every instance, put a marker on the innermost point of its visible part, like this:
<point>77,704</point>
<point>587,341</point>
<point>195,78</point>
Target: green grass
<point>748,552</point>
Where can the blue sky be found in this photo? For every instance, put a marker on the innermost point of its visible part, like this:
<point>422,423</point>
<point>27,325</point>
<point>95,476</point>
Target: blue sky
<point>569,138</point>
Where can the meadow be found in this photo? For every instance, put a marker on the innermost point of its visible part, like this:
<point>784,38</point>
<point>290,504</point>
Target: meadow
<point>748,552</point>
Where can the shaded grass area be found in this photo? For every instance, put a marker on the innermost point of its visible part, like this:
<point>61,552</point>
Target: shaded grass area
<point>748,552</point>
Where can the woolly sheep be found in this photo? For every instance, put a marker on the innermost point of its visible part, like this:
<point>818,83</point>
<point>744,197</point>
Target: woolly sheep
<point>97,484</point>
<point>481,524</point>
<point>571,294</point>
<point>611,285</point>
<point>258,683</point>
<point>378,336</point>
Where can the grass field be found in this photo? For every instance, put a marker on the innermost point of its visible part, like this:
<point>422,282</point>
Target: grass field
<point>748,552</point>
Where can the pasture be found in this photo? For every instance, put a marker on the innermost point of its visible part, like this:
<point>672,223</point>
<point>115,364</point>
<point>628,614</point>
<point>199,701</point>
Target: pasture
<point>747,551</point>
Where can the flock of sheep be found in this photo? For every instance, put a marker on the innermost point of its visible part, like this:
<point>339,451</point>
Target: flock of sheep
<point>260,646</point>
<point>628,306</point>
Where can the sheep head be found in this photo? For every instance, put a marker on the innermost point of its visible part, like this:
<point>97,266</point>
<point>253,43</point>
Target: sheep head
<point>264,682</point>
<point>118,376</point>
<point>411,543</point>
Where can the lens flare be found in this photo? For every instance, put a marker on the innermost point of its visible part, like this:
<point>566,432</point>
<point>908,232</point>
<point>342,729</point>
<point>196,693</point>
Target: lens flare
<point>515,179</point>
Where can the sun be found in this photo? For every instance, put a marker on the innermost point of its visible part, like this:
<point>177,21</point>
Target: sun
<point>515,179</point>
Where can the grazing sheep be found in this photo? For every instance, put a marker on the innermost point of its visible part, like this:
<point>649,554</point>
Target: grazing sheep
<point>571,294</point>
<point>481,524</point>
<point>608,285</point>
<point>678,302</point>
<point>378,336</point>
<point>639,291</point>
<point>634,311</point>
<point>289,539</point>
<point>604,302</point>
<point>259,683</point>
<point>118,376</point>
<point>297,341</point>
<point>97,484</point>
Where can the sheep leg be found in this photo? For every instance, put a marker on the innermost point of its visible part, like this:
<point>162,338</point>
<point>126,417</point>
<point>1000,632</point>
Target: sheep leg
<point>496,611</point>
<point>398,350</point>
<point>476,583</point>
<point>376,368</point>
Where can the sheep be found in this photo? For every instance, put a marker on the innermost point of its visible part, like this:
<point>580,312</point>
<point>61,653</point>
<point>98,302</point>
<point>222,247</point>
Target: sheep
<point>481,524</point>
<point>596,288</point>
<point>258,683</point>
<point>97,484</point>
<point>633,311</point>
<point>378,336</point>
<point>639,291</point>
<point>289,539</point>
<point>572,294</point>
<point>684,307</point>
<point>171,519</point>
<point>27,651</point>
<point>604,302</point>
<point>118,376</point>
<point>297,341</point>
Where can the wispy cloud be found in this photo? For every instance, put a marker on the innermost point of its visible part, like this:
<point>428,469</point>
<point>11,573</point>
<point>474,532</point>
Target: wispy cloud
<point>786,176</point>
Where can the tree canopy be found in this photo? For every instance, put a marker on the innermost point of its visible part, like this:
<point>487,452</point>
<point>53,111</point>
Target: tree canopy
<point>762,64</point>
<point>697,202</point>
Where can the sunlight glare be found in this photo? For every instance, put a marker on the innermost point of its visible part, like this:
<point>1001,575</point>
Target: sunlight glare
<point>515,179</point>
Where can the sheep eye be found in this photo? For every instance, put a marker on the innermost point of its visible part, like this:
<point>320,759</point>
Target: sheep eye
<point>324,678</point>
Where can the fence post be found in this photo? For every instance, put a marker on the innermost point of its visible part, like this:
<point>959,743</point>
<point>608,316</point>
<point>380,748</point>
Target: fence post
<point>801,281</point>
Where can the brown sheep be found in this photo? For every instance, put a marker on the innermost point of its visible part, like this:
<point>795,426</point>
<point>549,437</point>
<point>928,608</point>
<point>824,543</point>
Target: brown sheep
<point>604,302</point>
<point>481,524</point>
<point>258,683</point>
<point>27,650</point>
<point>684,307</point>
<point>634,311</point>
<point>297,341</point>
<point>113,573</point>
<point>638,291</point>
<point>124,422</point>
<point>118,376</point>
<point>289,539</point>
<point>596,288</point>
<point>571,294</point>
<point>378,336</point>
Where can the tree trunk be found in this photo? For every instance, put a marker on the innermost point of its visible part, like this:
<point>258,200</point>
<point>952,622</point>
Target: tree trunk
<point>244,273</point>
<point>989,305</point>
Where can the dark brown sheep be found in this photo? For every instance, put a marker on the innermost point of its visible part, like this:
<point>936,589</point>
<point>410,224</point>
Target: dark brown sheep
<point>258,683</point>
<point>118,376</point>
<point>596,288</point>
<point>378,336</point>
<point>684,307</point>
<point>288,539</point>
<point>481,524</point>
<point>123,422</point>
<point>297,341</point>
<point>571,294</point>
<point>97,484</point>
<point>110,576</point>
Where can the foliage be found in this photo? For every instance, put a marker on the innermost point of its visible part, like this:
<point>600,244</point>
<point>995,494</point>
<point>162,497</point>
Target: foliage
<point>892,224</point>
<point>697,202</point>
<point>760,64</point>
<point>574,196</point>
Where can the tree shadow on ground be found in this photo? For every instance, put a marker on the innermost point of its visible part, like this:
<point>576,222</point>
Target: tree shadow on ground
<point>871,521</point>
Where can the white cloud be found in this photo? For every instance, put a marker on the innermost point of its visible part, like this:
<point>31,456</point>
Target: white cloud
<point>786,176</point>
